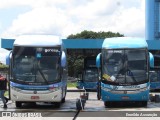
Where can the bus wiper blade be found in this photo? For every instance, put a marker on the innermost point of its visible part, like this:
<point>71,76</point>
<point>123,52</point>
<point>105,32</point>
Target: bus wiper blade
<point>42,75</point>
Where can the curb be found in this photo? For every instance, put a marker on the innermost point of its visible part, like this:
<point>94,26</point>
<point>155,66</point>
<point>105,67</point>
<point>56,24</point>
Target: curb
<point>75,90</point>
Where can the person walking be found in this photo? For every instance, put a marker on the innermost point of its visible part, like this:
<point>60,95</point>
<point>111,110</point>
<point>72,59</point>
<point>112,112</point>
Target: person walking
<point>3,87</point>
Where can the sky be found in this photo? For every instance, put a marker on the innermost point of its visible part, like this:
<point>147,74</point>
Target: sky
<point>65,17</point>
<point>3,54</point>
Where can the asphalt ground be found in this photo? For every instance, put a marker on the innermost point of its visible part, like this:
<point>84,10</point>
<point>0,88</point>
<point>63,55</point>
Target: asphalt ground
<point>94,109</point>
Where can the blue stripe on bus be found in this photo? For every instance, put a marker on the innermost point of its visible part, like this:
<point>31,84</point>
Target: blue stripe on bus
<point>35,87</point>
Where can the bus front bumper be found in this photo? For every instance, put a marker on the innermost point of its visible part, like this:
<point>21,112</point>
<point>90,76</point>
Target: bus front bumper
<point>137,96</point>
<point>36,96</point>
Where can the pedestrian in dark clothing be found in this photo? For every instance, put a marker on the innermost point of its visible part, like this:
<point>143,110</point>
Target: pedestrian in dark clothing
<point>3,87</point>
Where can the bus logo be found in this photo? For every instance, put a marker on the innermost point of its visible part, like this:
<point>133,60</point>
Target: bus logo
<point>51,50</point>
<point>6,114</point>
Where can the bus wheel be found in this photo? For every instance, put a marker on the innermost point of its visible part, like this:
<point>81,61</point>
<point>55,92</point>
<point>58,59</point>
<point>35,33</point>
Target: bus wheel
<point>33,104</point>
<point>144,103</point>
<point>18,104</point>
<point>57,104</point>
<point>107,104</point>
<point>63,100</point>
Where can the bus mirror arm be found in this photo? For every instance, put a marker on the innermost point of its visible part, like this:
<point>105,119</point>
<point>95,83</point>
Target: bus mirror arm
<point>63,59</point>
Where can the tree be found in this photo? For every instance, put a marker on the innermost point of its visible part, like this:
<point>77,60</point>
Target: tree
<point>94,35</point>
<point>75,63</point>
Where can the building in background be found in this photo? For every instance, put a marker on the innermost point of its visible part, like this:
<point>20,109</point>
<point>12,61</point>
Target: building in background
<point>6,46</point>
<point>152,19</point>
<point>152,25</point>
<point>7,43</point>
<point>153,40</point>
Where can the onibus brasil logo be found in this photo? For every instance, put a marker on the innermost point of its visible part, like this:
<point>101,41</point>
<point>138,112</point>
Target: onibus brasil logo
<point>21,114</point>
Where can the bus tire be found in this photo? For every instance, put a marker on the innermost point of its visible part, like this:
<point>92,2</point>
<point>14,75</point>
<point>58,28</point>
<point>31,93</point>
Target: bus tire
<point>33,104</point>
<point>107,104</point>
<point>63,99</point>
<point>57,104</point>
<point>144,103</point>
<point>18,104</point>
<point>99,91</point>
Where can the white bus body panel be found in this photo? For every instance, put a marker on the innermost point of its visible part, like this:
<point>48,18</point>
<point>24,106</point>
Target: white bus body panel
<point>37,40</point>
<point>44,96</point>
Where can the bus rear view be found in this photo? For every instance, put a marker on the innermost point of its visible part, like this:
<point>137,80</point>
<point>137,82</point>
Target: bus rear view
<point>124,71</point>
<point>89,75</point>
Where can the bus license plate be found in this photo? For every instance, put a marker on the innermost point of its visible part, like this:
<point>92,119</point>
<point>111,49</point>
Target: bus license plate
<point>125,97</point>
<point>34,97</point>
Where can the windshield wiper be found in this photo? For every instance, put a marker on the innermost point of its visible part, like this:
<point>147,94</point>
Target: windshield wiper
<point>40,71</point>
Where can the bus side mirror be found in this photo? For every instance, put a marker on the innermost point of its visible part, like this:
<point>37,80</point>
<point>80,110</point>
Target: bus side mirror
<point>151,60</point>
<point>98,60</point>
<point>63,59</point>
<point>8,58</point>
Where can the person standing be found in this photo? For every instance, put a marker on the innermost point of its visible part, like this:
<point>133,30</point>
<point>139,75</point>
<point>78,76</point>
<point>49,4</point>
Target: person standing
<point>3,87</point>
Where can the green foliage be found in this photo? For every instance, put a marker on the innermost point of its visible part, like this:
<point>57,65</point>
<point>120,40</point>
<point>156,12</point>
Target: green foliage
<point>3,67</point>
<point>75,62</point>
<point>71,84</point>
<point>94,35</point>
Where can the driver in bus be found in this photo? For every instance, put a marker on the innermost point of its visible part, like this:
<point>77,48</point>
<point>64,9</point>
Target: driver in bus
<point>114,67</point>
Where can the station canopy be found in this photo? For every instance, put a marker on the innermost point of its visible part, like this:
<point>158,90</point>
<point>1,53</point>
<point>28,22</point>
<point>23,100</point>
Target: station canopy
<point>86,47</point>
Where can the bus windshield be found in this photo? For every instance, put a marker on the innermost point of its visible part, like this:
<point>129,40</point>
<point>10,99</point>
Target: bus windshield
<point>91,75</point>
<point>124,67</point>
<point>33,65</point>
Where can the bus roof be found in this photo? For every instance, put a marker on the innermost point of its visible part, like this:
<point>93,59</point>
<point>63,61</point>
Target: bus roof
<point>37,40</point>
<point>124,42</point>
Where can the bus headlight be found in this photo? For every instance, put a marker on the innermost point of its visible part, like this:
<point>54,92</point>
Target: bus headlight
<point>53,89</point>
<point>15,88</point>
<point>106,89</point>
<point>143,89</point>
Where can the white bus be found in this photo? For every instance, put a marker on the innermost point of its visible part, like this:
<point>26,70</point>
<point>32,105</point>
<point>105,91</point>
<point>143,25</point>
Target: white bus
<point>38,70</point>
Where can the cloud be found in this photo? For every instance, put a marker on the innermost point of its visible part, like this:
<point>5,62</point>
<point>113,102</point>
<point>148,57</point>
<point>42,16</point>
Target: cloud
<point>63,17</point>
<point>34,3</point>
<point>129,21</point>
<point>3,54</point>
<point>39,20</point>
<point>0,26</point>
